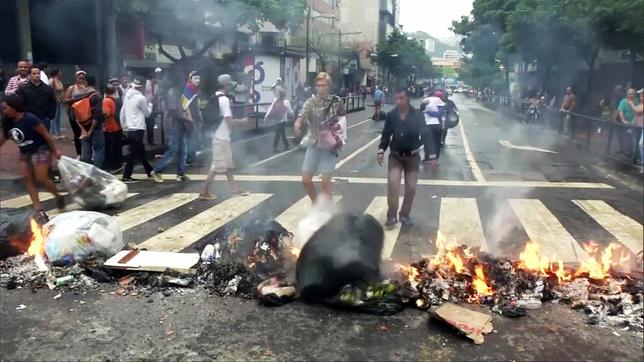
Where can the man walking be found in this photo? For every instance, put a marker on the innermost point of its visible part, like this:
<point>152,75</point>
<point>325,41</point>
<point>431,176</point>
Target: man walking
<point>152,97</point>
<point>17,80</point>
<point>113,133</point>
<point>222,154</point>
<point>135,110</point>
<point>567,106</point>
<point>38,97</point>
<point>92,136</point>
<point>378,97</point>
<point>403,128</point>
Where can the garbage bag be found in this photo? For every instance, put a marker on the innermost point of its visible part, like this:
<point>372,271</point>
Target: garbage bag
<point>319,215</point>
<point>379,298</point>
<point>15,231</point>
<point>90,186</point>
<point>346,250</point>
<point>451,119</point>
<point>79,234</point>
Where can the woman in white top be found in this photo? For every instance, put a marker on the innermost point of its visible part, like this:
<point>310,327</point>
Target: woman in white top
<point>280,111</point>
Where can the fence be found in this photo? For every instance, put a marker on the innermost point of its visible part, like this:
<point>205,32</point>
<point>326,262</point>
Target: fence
<point>604,136</point>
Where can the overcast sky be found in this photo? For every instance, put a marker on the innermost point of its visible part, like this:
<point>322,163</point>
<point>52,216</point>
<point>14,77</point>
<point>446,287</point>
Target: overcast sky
<point>432,16</point>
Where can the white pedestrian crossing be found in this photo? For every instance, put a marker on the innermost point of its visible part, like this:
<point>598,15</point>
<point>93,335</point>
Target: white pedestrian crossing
<point>292,215</point>
<point>378,209</point>
<point>626,230</point>
<point>184,234</point>
<point>22,201</point>
<point>460,222</point>
<point>148,211</point>
<point>74,207</point>
<point>543,227</point>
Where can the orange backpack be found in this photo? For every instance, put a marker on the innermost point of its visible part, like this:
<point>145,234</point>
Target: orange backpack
<point>83,109</point>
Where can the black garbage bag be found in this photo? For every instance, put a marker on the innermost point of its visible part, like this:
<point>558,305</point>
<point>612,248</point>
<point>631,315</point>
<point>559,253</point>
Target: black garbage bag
<point>379,298</point>
<point>15,231</point>
<point>346,250</point>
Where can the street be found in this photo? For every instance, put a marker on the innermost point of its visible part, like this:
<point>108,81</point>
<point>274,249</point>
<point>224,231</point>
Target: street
<point>499,185</point>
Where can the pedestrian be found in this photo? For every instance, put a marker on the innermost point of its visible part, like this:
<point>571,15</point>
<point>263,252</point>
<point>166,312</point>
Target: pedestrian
<point>91,124</point>
<point>639,121</point>
<point>627,117</point>
<point>44,73</point>
<point>450,111</point>
<point>280,111</point>
<point>378,97</point>
<point>38,97</point>
<point>190,112</point>
<point>402,134</point>
<point>112,131</point>
<point>152,97</point>
<point>18,79</point>
<point>222,154</point>
<point>75,92</point>
<point>433,113</point>
<point>36,147</point>
<point>177,147</point>
<point>326,121</point>
<point>277,88</point>
<point>568,105</point>
<point>135,110</point>
<point>124,85</point>
<point>59,93</point>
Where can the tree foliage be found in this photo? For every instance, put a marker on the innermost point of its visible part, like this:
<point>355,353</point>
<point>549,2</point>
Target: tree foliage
<point>400,57</point>
<point>549,33</point>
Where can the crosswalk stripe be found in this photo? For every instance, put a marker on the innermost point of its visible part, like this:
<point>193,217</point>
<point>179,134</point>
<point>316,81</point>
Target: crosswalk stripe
<point>543,227</point>
<point>25,200</point>
<point>356,152</point>
<point>626,230</point>
<point>378,209</point>
<point>292,216</point>
<point>152,209</point>
<point>74,207</point>
<point>190,231</point>
<point>459,221</point>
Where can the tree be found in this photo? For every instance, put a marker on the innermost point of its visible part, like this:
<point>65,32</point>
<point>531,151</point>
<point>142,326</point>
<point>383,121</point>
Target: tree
<point>199,24</point>
<point>400,57</point>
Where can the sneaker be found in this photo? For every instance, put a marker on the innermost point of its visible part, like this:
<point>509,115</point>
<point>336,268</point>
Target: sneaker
<point>130,180</point>
<point>207,196</point>
<point>240,192</point>
<point>406,221</point>
<point>182,178</point>
<point>391,222</point>
<point>156,177</point>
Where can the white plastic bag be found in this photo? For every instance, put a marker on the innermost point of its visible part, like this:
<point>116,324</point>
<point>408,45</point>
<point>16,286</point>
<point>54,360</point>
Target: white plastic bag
<point>319,215</point>
<point>79,234</point>
<point>90,186</point>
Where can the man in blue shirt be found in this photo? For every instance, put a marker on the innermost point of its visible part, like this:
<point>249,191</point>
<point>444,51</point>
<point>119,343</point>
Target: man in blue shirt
<point>378,97</point>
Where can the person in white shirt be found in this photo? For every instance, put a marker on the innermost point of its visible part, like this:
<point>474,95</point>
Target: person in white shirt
<point>222,154</point>
<point>280,111</point>
<point>433,112</point>
<point>133,113</point>
<point>44,69</point>
<point>277,88</point>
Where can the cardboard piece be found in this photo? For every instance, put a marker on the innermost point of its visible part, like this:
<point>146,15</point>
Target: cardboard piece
<point>156,261</point>
<point>472,324</point>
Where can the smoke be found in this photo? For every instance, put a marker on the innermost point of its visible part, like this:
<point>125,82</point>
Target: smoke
<point>322,211</point>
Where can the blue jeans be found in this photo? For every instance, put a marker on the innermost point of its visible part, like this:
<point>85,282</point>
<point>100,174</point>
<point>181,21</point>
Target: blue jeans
<point>54,128</point>
<point>318,160</point>
<point>176,148</point>
<point>93,148</point>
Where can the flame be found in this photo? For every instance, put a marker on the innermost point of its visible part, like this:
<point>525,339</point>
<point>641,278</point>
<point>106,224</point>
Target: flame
<point>409,272</point>
<point>597,266</point>
<point>455,261</point>
<point>531,259</point>
<point>562,275</point>
<point>295,251</point>
<point>479,283</point>
<point>37,245</point>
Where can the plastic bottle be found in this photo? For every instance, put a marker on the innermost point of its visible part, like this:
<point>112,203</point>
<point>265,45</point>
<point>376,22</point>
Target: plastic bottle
<point>208,253</point>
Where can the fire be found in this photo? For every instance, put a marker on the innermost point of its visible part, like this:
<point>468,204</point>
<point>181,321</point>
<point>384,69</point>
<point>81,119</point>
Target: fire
<point>456,261</point>
<point>531,259</point>
<point>411,273</point>
<point>479,283</point>
<point>37,245</point>
<point>562,275</point>
<point>597,266</point>
<point>295,251</point>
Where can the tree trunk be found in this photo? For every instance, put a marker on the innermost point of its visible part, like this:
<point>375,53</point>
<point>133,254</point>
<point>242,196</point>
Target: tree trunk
<point>591,69</point>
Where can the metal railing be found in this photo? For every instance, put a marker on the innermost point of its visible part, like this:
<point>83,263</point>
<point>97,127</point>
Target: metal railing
<point>602,135</point>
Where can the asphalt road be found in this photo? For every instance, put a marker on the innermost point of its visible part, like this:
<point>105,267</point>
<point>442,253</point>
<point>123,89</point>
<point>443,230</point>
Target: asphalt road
<point>499,184</point>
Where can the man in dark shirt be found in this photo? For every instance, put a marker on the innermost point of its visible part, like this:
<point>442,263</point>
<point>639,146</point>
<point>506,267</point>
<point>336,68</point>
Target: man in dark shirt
<point>38,97</point>
<point>403,127</point>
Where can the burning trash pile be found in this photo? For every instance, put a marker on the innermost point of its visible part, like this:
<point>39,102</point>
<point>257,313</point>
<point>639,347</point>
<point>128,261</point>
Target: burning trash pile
<point>457,274</point>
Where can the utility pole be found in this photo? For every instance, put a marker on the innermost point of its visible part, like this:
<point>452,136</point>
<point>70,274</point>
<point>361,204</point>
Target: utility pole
<point>308,40</point>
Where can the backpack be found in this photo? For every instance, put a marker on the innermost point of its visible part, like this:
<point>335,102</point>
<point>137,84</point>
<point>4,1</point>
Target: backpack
<point>211,113</point>
<point>83,109</point>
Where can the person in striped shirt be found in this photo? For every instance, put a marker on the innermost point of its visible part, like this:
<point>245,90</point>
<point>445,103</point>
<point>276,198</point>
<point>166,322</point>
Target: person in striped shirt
<point>21,78</point>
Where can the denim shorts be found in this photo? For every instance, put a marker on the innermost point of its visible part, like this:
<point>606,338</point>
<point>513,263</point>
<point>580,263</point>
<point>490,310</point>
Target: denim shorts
<point>317,160</point>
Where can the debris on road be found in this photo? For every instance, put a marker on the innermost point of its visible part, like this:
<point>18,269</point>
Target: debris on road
<point>15,233</point>
<point>274,292</point>
<point>155,261</point>
<point>21,307</point>
<point>468,322</point>
<point>91,187</point>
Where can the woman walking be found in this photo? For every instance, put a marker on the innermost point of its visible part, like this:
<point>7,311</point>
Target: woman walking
<point>73,93</point>
<point>280,111</point>
<point>59,92</point>
<point>327,123</point>
<point>37,149</point>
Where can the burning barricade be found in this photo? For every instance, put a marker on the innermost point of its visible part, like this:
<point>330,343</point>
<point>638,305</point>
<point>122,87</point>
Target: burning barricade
<point>457,274</point>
